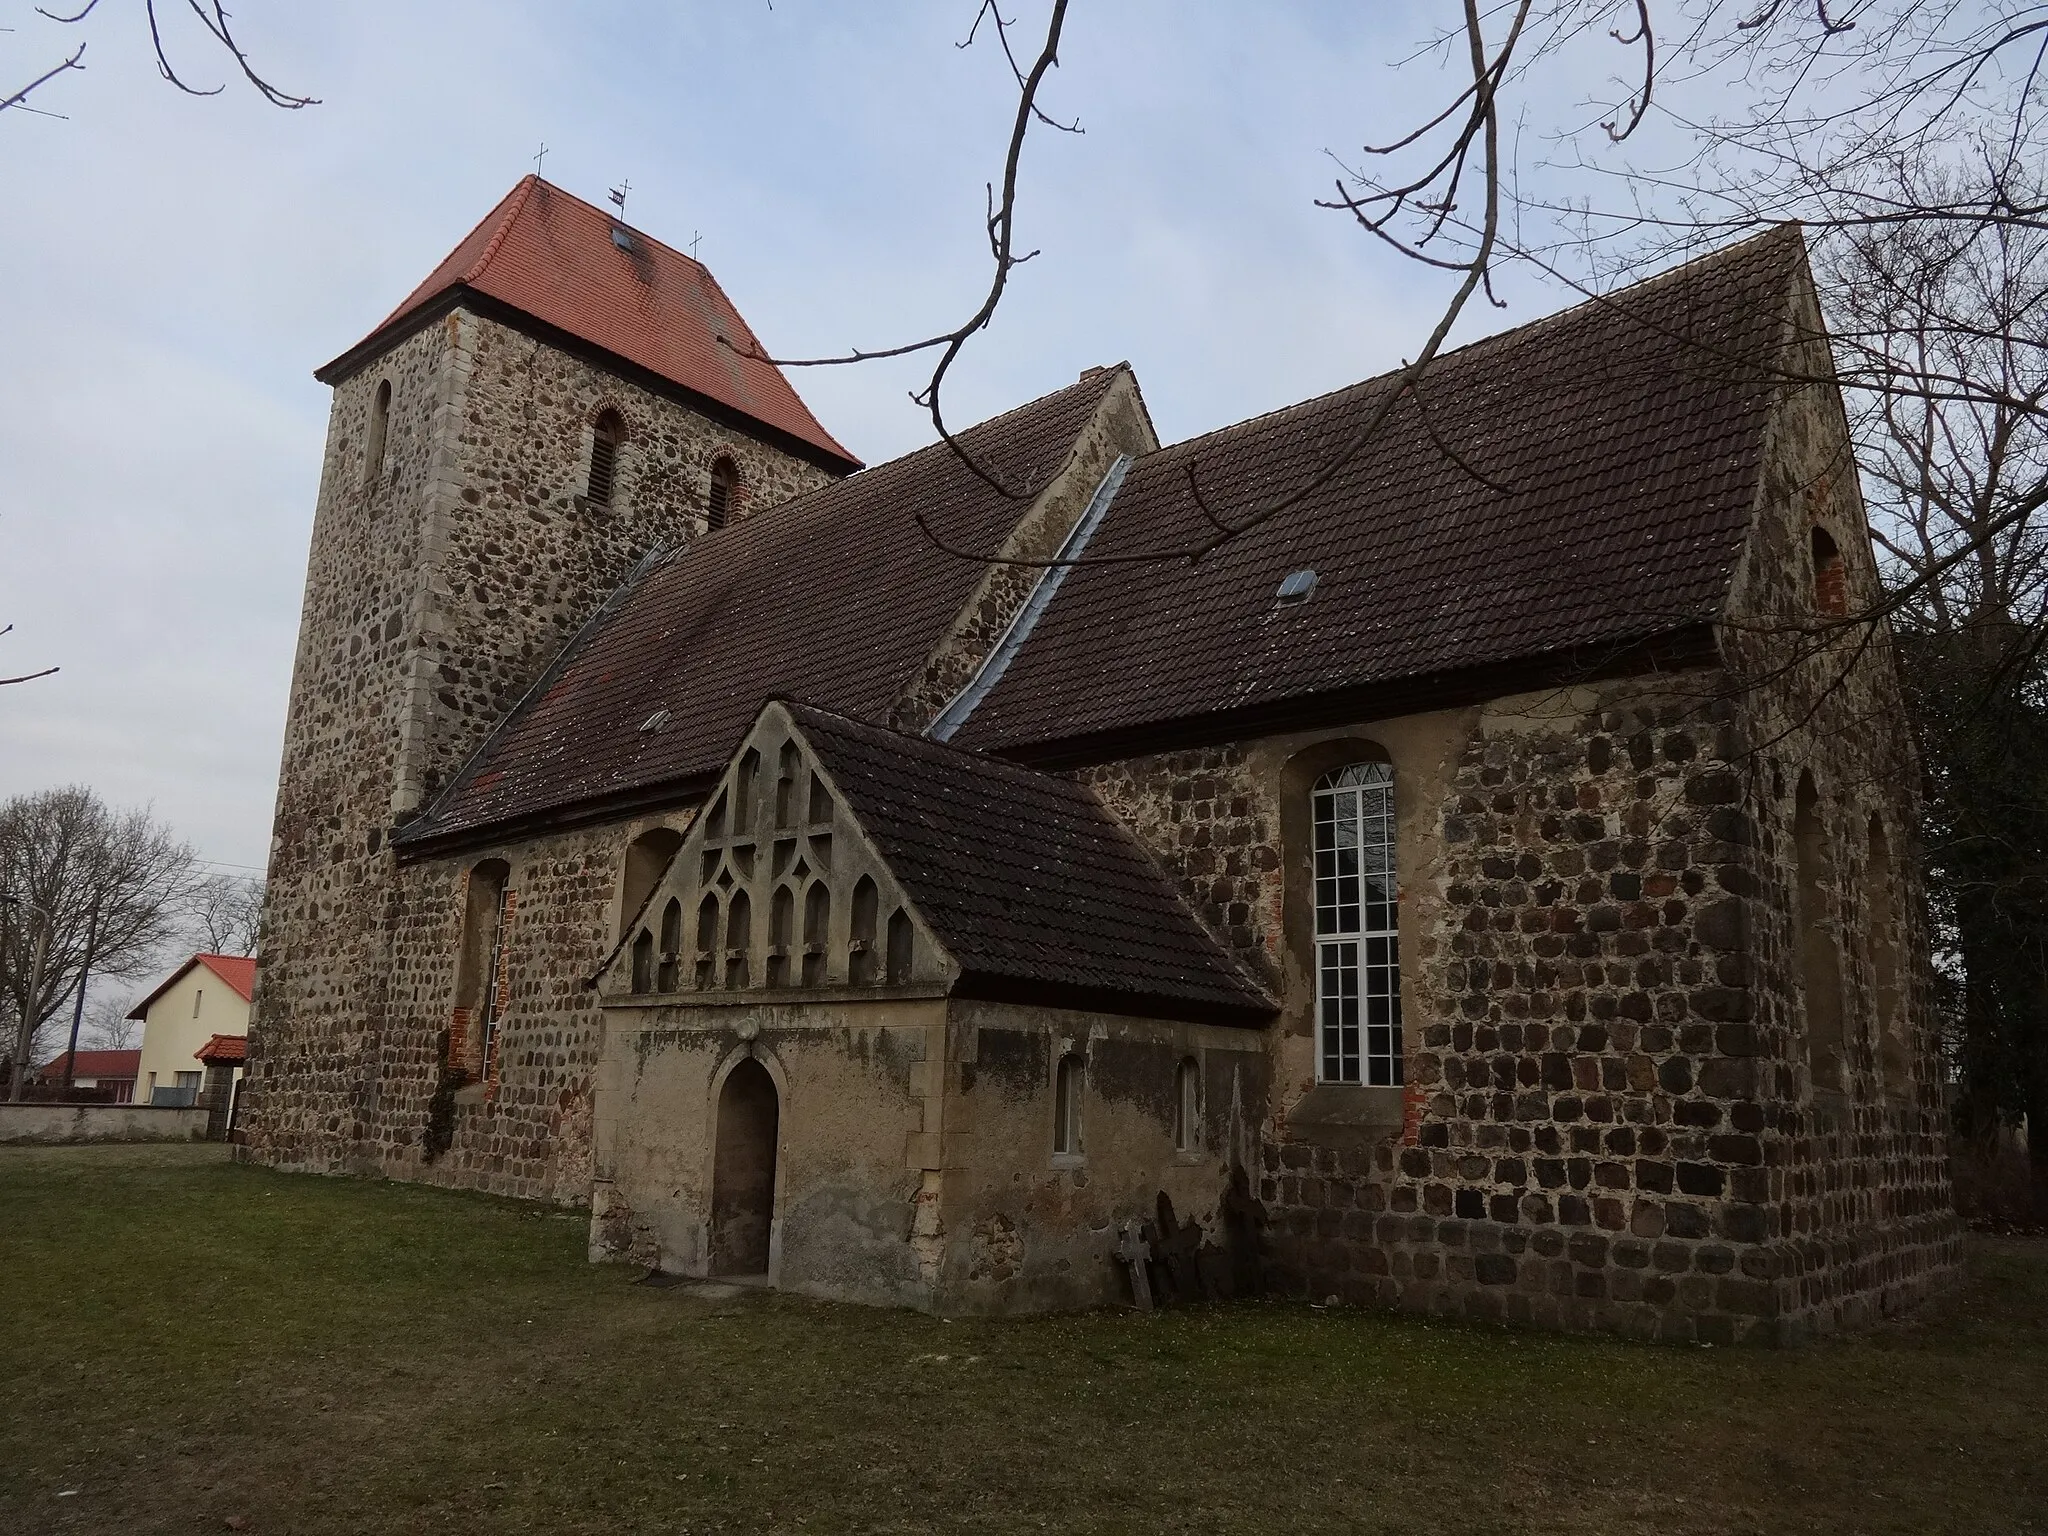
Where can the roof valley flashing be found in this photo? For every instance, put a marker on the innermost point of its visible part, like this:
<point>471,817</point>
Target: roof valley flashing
<point>991,671</point>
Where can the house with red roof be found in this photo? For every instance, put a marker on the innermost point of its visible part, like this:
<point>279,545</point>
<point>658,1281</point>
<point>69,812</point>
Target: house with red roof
<point>110,1074</point>
<point>205,1000</point>
<point>1443,844</point>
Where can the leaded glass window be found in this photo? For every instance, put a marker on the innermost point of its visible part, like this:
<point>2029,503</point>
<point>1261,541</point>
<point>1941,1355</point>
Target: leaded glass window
<point>1358,960</point>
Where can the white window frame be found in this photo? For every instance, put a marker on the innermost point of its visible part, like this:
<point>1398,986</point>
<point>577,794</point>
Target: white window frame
<point>1187,1106</point>
<point>1357,916</point>
<point>1069,1085</point>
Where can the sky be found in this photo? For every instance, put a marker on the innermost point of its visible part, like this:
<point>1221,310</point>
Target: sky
<point>174,267</point>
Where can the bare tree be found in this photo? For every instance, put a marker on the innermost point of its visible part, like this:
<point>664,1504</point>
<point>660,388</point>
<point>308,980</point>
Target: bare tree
<point>107,1025</point>
<point>227,913</point>
<point>88,880</point>
<point>215,27</point>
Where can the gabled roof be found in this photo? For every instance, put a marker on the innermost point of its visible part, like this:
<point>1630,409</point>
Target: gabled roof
<point>834,596</point>
<point>552,257</point>
<point>1574,487</point>
<point>98,1065</point>
<point>238,971</point>
<point>1036,890</point>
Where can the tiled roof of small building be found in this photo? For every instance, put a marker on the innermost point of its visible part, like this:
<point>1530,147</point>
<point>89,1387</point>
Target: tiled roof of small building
<point>98,1065</point>
<point>1584,481</point>
<point>552,256</point>
<point>834,596</point>
<point>224,1048</point>
<point>1038,892</point>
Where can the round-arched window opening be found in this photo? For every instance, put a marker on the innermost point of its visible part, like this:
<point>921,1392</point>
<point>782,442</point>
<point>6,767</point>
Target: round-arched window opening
<point>724,499</point>
<point>606,435</point>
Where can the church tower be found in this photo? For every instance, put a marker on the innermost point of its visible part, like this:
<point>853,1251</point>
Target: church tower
<point>562,396</point>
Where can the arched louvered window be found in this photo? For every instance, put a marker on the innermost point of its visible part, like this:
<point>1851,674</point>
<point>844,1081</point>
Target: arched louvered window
<point>605,438</point>
<point>1358,960</point>
<point>373,442</point>
<point>724,498</point>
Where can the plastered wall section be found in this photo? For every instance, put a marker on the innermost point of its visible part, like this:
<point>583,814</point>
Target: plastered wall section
<point>440,582</point>
<point>1027,1227</point>
<point>852,1079</point>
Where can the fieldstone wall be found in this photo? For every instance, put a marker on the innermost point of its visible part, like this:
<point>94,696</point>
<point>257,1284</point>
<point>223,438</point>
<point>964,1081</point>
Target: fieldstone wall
<point>440,583</point>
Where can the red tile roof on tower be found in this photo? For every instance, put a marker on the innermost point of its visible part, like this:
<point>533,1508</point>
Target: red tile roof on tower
<point>553,258</point>
<point>238,971</point>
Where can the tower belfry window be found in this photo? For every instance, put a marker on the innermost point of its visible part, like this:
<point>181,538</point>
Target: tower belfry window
<point>605,437</point>
<point>724,496</point>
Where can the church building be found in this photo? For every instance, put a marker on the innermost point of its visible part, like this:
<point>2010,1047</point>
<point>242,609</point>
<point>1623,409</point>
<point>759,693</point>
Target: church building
<point>1474,873</point>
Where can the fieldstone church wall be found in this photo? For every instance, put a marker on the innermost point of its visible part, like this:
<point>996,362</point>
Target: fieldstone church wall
<point>442,579</point>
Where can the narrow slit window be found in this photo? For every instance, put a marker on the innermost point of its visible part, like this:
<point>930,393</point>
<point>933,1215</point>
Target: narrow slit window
<point>1066,1107</point>
<point>605,438</point>
<point>1358,960</point>
<point>1187,1107</point>
<point>380,424</point>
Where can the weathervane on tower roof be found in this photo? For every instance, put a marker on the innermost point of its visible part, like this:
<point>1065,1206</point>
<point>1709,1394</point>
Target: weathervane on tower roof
<point>618,196</point>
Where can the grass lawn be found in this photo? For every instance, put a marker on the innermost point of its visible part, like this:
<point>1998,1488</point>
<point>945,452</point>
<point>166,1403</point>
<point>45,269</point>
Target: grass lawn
<point>186,1345</point>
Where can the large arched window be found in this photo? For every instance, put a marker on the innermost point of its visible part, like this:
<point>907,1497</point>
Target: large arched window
<point>380,422</point>
<point>1358,960</point>
<point>1820,963</point>
<point>724,498</point>
<point>605,437</point>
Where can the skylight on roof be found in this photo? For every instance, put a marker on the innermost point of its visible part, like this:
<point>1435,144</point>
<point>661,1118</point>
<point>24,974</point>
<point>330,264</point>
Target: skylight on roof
<point>622,237</point>
<point>1297,586</point>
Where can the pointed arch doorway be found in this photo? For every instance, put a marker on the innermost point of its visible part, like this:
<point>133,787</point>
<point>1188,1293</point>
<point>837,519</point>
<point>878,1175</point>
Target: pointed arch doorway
<point>743,1171</point>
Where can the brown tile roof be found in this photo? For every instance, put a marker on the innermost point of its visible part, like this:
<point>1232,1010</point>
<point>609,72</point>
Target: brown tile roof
<point>113,1066</point>
<point>1033,886</point>
<point>238,971</point>
<point>835,597</point>
<point>224,1048</point>
<point>551,256</point>
<point>1624,437</point>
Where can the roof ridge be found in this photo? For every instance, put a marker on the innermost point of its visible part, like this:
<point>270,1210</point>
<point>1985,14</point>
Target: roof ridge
<point>514,206</point>
<point>1514,333</point>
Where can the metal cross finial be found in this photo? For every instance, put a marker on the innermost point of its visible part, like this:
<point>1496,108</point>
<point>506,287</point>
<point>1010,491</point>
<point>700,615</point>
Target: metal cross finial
<point>694,239</point>
<point>538,167</point>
